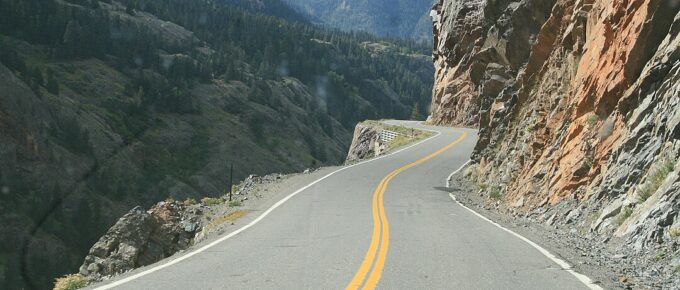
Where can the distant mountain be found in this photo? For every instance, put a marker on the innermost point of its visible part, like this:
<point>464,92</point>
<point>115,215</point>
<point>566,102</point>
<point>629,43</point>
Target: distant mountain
<point>397,18</point>
<point>277,8</point>
<point>105,105</point>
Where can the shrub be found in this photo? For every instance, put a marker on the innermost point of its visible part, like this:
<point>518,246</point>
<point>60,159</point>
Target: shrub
<point>235,203</point>
<point>655,179</point>
<point>660,256</point>
<point>674,232</point>
<point>592,119</point>
<point>70,282</point>
<point>625,213</point>
<point>189,201</point>
<point>212,200</point>
<point>587,163</point>
<point>495,193</point>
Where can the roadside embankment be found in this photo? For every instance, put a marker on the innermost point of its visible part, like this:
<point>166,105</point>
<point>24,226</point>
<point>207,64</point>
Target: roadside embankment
<point>374,138</point>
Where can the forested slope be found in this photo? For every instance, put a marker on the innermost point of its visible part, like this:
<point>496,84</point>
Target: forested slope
<point>105,105</point>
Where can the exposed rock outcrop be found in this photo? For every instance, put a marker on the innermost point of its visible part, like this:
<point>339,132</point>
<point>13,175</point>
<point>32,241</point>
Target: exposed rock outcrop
<point>365,143</point>
<point>141,238</point>
<point>575,100</point>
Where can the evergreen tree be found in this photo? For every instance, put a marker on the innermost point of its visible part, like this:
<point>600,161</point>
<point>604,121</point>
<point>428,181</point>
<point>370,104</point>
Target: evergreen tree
<point>37,77</point>
<point>52,84</point>
<point>415,113</point>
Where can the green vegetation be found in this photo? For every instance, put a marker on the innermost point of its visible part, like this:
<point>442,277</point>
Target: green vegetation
<point>406,135</point>
<point>655,178</point>
<point>145,95</point>
<point>399,141</point>
<point>235,203</point>
<point>495,193</point>
<point>660,256</point>
<point>70,282</point>
<point>625,213</point>
<point>209,201</point>
<point>592,119</point>
<point>415,112</point>
<point>586,164</point>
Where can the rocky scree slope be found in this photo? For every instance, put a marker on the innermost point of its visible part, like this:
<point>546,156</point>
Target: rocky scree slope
<point>578,103</point>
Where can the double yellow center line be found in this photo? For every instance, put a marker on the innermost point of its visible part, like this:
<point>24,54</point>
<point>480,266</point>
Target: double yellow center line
<point>380,241</point>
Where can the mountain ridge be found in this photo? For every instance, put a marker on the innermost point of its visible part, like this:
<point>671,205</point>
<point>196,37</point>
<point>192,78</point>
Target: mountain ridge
<point>408,19</point>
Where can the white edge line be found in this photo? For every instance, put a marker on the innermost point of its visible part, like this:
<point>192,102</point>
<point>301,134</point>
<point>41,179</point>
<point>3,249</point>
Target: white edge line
<point>448,178</point>
<point>564,265</point>
<point>255,221</point>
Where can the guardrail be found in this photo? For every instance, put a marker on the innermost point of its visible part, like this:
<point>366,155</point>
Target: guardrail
<point>388,136</point>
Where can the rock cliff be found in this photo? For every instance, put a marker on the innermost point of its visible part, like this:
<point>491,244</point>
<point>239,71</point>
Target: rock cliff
<point>582,95</point>
<point>364,141</point>
<point>141,238</point>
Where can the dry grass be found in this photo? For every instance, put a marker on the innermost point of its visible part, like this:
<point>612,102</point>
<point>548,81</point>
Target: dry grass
<point>212,200</point>
<point>70,282</point>
<point>227,218</point>
<point>189,201</point>
<point>625,213</point>
<point>655,179</point>
<point>674,232</point>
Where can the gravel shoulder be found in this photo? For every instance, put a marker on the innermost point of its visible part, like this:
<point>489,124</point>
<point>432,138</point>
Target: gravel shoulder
<point>595,256</point>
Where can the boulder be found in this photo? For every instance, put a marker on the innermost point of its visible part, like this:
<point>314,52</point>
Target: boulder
<point>141,238</point>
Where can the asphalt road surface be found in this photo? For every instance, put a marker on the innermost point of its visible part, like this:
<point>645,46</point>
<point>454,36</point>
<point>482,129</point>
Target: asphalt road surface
<point>387,224</point>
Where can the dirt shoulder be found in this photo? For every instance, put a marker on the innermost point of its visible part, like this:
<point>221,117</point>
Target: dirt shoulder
<point>602,258</point>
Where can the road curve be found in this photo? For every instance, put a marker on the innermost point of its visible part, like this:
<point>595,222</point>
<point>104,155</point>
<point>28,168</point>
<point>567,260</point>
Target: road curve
<point>388,223</point>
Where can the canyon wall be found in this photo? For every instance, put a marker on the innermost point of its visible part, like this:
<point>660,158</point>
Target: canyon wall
<point>576,100</point>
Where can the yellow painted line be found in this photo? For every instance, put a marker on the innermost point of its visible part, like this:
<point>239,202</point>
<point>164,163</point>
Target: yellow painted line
<point>380,240</point>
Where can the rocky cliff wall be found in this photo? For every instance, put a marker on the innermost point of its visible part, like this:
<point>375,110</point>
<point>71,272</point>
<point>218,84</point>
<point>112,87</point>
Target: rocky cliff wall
<point>576,100</point>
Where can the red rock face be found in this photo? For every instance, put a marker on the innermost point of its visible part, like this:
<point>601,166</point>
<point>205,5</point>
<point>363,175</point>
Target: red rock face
<point>586,112</point>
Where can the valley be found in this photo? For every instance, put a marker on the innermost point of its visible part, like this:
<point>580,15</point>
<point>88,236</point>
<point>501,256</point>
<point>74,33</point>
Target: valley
<point>106,105</point>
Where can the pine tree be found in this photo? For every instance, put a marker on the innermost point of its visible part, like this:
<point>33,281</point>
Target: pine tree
<point>52,84</point>
<point>415,113</point>
<point>37,77</point>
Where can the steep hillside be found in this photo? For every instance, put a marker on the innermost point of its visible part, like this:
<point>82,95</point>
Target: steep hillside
<point>402,18</point>
<point>106,105</point>
<point>578,107</point>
